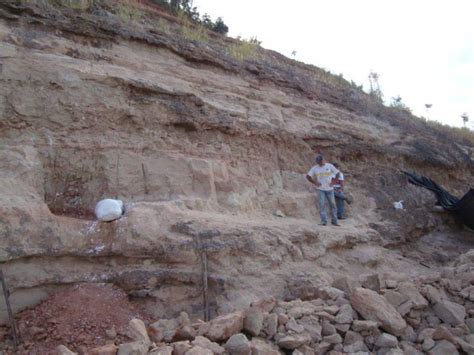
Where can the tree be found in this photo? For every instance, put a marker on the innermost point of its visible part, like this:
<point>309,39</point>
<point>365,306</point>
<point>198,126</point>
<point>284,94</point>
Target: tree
<point>465,118</point>
<point>220,26</point>
<point>375,90</point>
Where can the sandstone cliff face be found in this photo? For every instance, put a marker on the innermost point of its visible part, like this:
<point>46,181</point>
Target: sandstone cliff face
<point>204,149</point>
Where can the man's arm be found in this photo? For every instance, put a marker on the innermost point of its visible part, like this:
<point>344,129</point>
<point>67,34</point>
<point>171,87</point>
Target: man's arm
<point>313,181</point>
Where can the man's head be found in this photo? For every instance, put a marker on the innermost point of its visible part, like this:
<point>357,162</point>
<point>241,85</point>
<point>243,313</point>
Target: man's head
<point>319,160</point>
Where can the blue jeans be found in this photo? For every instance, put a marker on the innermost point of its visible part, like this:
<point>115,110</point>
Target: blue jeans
<point>329,196</point>
<point>339,195</point>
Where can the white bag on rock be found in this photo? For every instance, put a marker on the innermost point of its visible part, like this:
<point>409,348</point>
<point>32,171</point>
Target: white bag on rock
<point>108,210</point>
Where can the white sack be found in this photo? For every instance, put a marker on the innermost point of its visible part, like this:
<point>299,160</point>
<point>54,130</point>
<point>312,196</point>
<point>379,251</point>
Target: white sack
<point>108,210</point>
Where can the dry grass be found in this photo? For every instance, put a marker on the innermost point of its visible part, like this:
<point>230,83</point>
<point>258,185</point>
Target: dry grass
<point>461,135</point>
<point>244,50</point>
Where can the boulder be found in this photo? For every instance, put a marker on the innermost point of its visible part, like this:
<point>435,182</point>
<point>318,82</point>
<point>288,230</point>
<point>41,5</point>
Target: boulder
<point>345,284</point>
<point>265,304</point>
<point>444,347</point>
<point>197,350</point>
<point>62,350</point>
<point>333,339</point>
<point>207,344</point>
<point>109,349</point>
<point>293,327</point>
<point>294,341</point>
<point>395,298</point>
<point>137,331</point>
<point>133,348</point>
<point>443,333</point>
<point>371,281</point>
<point>163,330</point>
<point>372,306</point>
<point>163,350</point>
<point>270,325</point>
<point>344,315</point>
<point>386,341</point>
<point>253,321</point>
<point>258,346</point>
<point>223,327</point>
<point>238,344</point>
<point>410,291</point>
<point>450,312</point>
<point>181,347</point>
<point>364,325</point>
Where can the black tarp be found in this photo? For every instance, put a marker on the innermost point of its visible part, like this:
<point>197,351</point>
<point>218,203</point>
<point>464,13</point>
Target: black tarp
<point>463,207</point>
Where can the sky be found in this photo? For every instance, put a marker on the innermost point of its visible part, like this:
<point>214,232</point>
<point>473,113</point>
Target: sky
<point>422,50</point>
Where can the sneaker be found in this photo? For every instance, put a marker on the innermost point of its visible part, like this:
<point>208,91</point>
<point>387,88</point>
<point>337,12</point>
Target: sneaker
<point>336,224</point>
<point>322,223</point>
<point>341,217</point>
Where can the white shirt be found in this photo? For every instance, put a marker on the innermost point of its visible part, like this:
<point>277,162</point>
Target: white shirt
<point>324,175</point>
<point>341,178</point>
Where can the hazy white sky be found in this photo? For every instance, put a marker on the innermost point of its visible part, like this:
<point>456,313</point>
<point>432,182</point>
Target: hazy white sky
<point>422,50</point>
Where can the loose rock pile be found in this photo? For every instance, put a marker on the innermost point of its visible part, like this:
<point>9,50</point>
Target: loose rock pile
<point>377,314</point>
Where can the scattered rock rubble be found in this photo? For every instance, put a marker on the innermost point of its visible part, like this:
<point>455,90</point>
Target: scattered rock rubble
<point>433,314</point>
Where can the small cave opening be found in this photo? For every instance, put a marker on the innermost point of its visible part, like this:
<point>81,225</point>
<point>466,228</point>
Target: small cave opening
<point>74,180</point>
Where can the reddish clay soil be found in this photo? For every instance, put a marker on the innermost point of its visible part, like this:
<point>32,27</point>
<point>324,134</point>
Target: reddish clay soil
<point>81,317</point>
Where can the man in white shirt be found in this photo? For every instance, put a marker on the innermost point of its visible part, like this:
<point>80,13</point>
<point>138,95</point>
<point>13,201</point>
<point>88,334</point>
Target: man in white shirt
<point>321,175</point>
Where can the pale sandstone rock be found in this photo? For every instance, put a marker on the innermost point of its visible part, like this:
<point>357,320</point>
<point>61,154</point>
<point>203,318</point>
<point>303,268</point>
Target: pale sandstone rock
<point>408,348</point>
<point>444,347</point>
<point>345,284</point>
<point>109,349</point>
<point>364,325</point>
<point>62,350</point>
<point>450,312</point>
<point>395,298</point>
<point>259,346</point>
<point>137,331</point>
<point>327,328</point>
<point>373,306</point>
<point>441,332</point>
<point>386,341</point>
<point>411,292</point>
<point>197,350</point>
<point>207,344</point>
<point>133,348</point>
<point>270,325</point>
<point>253,321</point>
<point>426,333</point>
<point>294,341</point>
<point>181,347</point>
<point>431,293</point>
<point>163,350</point>
<point>333,339</point>
<point>238,344</point>
<point>344,315</point>
<point>311,325</point>
<point>223,327</point>
<point>265,304</point>
<point>164,329</point>
<point>371,281</point>
<point>356,347</point>
<point>293,326</point>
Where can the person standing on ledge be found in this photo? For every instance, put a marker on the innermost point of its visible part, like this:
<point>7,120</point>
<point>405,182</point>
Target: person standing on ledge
<point>321,175</point>
<point>338,186</point>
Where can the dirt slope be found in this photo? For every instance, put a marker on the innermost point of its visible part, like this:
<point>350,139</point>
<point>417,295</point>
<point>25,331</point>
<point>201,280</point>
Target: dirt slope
<point>204,149</point>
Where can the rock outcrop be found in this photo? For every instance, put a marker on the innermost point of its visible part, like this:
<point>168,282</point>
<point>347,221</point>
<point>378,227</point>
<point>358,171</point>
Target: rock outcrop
<point>204,148</point>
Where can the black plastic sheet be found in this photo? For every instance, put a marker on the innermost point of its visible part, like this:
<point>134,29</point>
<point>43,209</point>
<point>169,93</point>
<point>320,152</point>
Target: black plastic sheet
<point>463,207</point>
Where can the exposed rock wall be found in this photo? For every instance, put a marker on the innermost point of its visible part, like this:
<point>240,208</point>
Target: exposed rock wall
<point>203,149</point>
